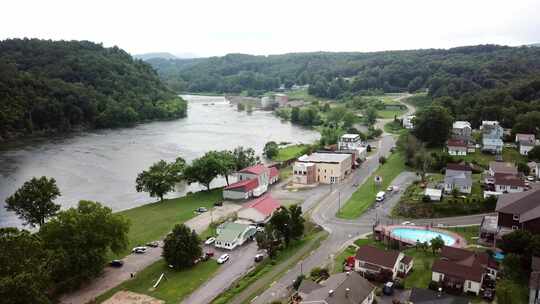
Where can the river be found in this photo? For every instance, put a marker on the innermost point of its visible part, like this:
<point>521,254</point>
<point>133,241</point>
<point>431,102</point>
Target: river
<point>102,165</point>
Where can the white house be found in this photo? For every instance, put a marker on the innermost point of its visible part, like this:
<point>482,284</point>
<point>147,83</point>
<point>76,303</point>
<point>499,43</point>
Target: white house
<point>434,194</point>
<point>508,183</point>
<point>408,121</point>
<point>462,130</point>
<point>526,142</point>
<point>252,182</point>
<point>457,147</point>
<point>231,235</point>
<point>370,259</point>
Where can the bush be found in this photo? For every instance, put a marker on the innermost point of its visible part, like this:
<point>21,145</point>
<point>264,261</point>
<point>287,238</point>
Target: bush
<point>426,199</point>
<point>298,281</point>
<point>382,160</point>
<point>319,273</point>
<point>434,285</point>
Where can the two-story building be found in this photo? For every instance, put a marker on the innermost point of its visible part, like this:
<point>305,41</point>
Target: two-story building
<point>519,211</point>
<point>508,183</point>
<point>457,147</point>
<point>251,182</point>
<point>464,270</point>
<point>331,168</point>
<point>462,130</point>
<point>458,177</point>
<point>370,259</point>
<point>492,134</point>
<point>525,142</point>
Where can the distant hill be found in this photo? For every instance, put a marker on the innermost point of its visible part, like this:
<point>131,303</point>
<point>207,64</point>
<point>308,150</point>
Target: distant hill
<point>161,55</point>
<point>51,86</point>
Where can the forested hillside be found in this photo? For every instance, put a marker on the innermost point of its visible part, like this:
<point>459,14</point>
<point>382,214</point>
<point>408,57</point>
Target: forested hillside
<point>477,82</point>
<point>62,85</point>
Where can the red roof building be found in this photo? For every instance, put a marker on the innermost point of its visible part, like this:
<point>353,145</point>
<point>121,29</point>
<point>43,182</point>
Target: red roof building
<point>252,182</point>
<point>259,210</point>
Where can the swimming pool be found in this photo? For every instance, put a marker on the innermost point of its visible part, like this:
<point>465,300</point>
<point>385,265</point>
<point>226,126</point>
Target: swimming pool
<point>412,235</point>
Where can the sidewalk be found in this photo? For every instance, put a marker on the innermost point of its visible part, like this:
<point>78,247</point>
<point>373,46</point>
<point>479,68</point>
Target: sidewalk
<point>270,277</point>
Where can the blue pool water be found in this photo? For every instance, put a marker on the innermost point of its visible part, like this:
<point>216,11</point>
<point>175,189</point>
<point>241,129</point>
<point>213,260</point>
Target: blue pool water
<point>421,235</point>
<point>498,256</point>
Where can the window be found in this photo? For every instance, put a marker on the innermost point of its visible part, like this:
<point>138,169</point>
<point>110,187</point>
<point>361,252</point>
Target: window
<point>469,284</point>
<point>516,217</point>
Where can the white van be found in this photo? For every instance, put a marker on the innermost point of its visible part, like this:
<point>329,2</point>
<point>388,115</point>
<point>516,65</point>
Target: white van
<point>380,196</point>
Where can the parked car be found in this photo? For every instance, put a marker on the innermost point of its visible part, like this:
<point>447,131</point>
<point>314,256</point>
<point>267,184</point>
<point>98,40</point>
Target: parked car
<point>259,257</point>
<point>209,254</point>
<point>153,244</point>
<point>260,229</point>
<point>388,288</point>
<point>210,240</point>
<point>406,223</point>
<point>488,295</point>
<point>223,258</point>
<point>201,209</point>
<point>116,263</point>
<point>139,249</point>
<point>380,196</point>
<point>218,203</point>
<point>530,178</point>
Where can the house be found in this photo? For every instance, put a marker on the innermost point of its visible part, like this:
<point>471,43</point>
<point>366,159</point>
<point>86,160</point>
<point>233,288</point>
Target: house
<point>492,134</point>
<point>331,167</point>
<point>533,169</point>
<point>464,270</point>
<point>534,281</point>
<point>304,173</point>
<point>408,121</point>
<point>519,211</point>
<point>458,177</point>
<point>457,147</point>
<point>341,288</point>
<point>258,211</point>
<point>252,182</point>
<point>508,183</point>
<point>370,259</point>
<point>526,142</point>
<point>231,235</point>
<point>434,194</point>
<point>462,130</point>
<point>428,296</point>
<point>350,142</point>
<point>502,167</point>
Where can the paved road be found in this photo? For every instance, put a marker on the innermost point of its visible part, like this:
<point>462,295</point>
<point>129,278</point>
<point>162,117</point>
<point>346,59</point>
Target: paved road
<point>343,232</point>
<point>134,263</point>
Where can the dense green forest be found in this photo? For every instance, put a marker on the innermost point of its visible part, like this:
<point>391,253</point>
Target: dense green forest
<point>473,82</point>
<point>64,85</point>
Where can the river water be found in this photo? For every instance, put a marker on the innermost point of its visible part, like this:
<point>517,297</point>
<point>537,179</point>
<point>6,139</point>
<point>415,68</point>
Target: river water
<point>102,165</point>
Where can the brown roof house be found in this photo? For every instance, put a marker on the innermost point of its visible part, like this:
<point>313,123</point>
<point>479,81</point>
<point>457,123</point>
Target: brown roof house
<point>502,167</point>
<point>457,147</point>
<point>341,288</point>
<point>508,183</point>
<point>461,269</point>
<point>519,211</point>
<point>370,259</point>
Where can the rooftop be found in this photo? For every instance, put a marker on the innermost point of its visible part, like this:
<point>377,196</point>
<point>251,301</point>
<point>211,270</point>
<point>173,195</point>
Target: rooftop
<point>339,288</point>
<point>324,157</point>
<point>265,204</point>
<point>376,256</point>
<point>230,231</point>
<point>461,124</point>
<point>257,169</point>
<point>508,180</point>
<point>350,136</point>
<point>428,296</point>
<point>525,204</point>
<point>503,167</point>
<point>244,185</point>
<point>456,143</point>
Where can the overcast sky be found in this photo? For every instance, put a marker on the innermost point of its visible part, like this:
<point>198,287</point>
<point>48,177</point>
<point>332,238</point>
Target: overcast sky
<point>219,27</point>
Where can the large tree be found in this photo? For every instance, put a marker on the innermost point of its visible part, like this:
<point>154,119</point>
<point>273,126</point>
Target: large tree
<point>271,149</point>
<point>296,221</point>
<point>81,238</point>
<point>181,247</point>
<point>203,170</point>
<point>432,125</point>
<point>436,244</point>
<point>24,268</point>
<point>34,201</point>
<point>244,158</point>
<point>269,240</point>
<point>226,163</point>
<point>160,178</point>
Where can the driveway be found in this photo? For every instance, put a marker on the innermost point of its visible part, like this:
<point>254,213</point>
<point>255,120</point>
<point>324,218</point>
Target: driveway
<point>134,263</point>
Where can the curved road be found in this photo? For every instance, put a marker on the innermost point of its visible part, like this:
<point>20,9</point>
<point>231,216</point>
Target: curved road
<point>343,232</point>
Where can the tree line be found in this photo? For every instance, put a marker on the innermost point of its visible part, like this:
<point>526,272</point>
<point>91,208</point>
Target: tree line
<point>52,86</point>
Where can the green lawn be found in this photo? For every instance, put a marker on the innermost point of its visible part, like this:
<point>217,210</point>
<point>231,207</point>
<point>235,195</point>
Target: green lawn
<point>290,152</point>
<point>153,221</point>
<point>364,196</point>
<point>176,286</point>
<point>301,95</point>
<point>483,159</point>
<point>389,113</point>
<point>469,233</point>
<point>341,257</point>
<point>394,127</point>
<point>284,173</point>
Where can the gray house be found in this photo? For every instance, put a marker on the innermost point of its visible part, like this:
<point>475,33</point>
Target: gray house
<point>492,134</point>
<point>458,177</point>
<point>462,130</point>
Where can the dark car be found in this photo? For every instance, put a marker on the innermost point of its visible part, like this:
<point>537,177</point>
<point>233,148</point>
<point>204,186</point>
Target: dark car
<point>116,263</point>
<point>218,204</point>
<point>153,244</point>
<point>388,288</point>
<point>488,295</point>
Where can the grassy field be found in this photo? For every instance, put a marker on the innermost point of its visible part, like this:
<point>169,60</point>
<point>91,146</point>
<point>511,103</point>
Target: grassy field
<point>264,268</point>
<point>153,221</point>
<point>364,196</point>
<point>482,159</point>
<point>394,127</point>
<point>176,286</point>
<point>341,257</point>
<point>289,152</point>
<point>301,95</point>
<point>469,233</point>
<point>284,173</point>
<point>389,113</point>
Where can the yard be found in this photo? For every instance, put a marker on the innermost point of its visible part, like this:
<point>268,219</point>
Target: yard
<point>290,152</point>
<point>411,204</point>
<point>301,94</point>
<point>394,127</point>
<point>386,114</point>
<point>483,159</point>
<point>153,221</point>
<point>364,197</point>
<point>173,288</point>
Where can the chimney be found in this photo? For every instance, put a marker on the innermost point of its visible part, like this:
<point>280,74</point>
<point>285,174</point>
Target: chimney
<point>347,291</point>
<point>331,292</point>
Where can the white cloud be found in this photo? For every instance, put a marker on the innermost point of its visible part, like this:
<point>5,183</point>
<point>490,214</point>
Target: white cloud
<point>268,27</point>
